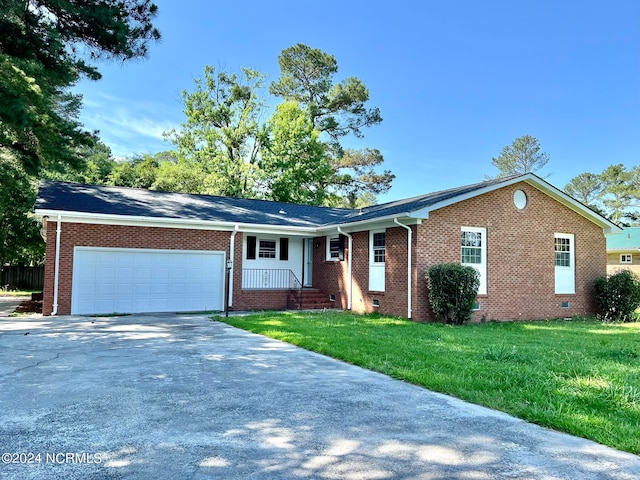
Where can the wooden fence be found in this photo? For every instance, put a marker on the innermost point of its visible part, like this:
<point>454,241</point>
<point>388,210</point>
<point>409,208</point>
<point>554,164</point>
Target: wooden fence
<point>24,278</point>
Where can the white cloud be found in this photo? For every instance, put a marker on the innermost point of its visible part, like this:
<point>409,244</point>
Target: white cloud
<point>128,127</point>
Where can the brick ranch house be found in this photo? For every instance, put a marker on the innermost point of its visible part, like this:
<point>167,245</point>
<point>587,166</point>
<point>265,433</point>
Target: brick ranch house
<point>123,250</point>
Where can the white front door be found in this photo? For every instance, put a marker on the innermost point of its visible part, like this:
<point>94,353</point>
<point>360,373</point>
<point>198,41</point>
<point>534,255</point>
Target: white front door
<point>307,274</point>
<point>377,254</point>
<point>565,268</point>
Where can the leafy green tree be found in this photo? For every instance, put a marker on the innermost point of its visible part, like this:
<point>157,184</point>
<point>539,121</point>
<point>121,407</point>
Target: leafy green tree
<point>356,180</point>
<point>96,164</point>
<point>615,193</point>
<point>586,188</point>
<point>522,156</point>
<point>337,109</point>
<point>222,136</point>
<point>620,192</point>
<point>139,172</point>
<point>295,163</point>
<point>46,46</point>
<point>20,241</point>
<point>185,177</point>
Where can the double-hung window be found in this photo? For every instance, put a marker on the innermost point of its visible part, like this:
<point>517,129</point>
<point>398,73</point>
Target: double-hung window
<point>379,247</point>
<point>335,248</point>
<point>473,252</point>
<point>267,249</point>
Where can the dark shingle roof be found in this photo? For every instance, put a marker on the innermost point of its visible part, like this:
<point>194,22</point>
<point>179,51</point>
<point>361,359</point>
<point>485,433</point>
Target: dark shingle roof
<point>135,202</point>
<point>412,204</point>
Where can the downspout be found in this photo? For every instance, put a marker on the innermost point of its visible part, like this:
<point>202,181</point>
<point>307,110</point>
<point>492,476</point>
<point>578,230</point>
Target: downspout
<point>57,267</point>
<point>232,250</point>
<point>409,238</point>
<point>350,290</point>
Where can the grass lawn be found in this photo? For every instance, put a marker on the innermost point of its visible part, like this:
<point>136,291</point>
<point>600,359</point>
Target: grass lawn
<point>581,376</point>
<point>17,293</point>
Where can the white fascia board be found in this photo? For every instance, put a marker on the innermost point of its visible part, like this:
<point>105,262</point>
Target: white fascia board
<point>109,219</point>
<point>537,183</point>
<point>424,212</point>
<point>545,187</point>
<point>370,224</point>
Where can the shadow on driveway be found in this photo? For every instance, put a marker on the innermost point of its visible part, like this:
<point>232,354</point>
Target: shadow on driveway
<point>180,396</point>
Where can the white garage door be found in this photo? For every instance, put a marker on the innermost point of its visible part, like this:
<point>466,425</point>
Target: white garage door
<point>131,280</point>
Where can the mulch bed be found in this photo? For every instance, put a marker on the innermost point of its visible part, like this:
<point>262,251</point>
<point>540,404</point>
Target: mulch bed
<point>30,306</point>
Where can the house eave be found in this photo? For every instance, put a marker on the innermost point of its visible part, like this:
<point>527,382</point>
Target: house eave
<point>536,182</point>
<point>386,221</point>
<point>111,219</point>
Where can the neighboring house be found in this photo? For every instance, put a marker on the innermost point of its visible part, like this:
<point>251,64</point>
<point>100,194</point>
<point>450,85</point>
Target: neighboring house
<point>112,249</point>
<point>623,251</point>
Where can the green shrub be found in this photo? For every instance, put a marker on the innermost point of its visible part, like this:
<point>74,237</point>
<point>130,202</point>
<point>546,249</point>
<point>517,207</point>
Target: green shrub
<point>452,291</point>
<point>618,296</point>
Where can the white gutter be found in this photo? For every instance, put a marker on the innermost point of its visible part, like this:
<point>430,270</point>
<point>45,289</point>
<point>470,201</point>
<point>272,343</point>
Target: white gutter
<point>112,219</point>
<point>409,238</point>
<point>349,271</point>
<point>57,267</point>
<point>232,250</point>
<point>324,228</point>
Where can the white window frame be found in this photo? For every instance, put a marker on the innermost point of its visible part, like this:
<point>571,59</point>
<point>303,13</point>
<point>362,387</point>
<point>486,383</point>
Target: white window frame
<point>262,253</point>
<point>378,249</point>
<point>482,266</point>
<point>565,275</point>
<point>626,258</point>
<point>377,274</point>
<point>329,254</point>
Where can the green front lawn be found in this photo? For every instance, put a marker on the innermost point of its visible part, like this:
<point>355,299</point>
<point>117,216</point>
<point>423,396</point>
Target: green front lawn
<point>581,377</point>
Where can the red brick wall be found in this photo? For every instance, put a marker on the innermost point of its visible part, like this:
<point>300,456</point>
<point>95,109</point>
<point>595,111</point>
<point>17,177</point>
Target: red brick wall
<point>118,236</point>
<point>520,254</point>
<point>330,276</point>
<point>520,258</point>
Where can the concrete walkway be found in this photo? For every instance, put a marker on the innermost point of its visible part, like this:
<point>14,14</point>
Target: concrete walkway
<point>179,396</point>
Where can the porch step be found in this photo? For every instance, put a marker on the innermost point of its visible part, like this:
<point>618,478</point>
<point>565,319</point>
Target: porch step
<point>309,299</point>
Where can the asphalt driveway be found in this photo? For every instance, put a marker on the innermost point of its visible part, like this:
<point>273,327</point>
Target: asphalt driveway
<point>180,396</point>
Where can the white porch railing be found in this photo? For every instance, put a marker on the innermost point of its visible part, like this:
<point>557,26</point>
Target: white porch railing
<point>269,279</point>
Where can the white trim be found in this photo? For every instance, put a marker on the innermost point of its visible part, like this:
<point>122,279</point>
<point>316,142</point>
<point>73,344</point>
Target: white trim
<point>539,184</point>
<point>327,253</point>
<point>56,278</point>
<point>232,251</point>
<point>409,242</point>
<point>192,224</point>
<point>623,261</point>
<point>482,266</point>
<point>349,267</point>
<point>376,222</point>
<point>377,270</point>
<point>565,277</point>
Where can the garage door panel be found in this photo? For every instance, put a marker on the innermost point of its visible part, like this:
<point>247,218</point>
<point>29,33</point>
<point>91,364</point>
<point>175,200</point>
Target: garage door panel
<point>111,280</point>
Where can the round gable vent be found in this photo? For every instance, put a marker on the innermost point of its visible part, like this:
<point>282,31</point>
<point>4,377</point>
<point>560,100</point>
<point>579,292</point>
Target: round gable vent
<point>520,199</point>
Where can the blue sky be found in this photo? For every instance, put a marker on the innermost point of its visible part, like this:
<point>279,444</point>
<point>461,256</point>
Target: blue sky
<point>455,81</point>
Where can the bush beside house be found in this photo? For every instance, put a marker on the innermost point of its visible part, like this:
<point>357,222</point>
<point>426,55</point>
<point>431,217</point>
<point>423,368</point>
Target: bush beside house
<point>452,291</point>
